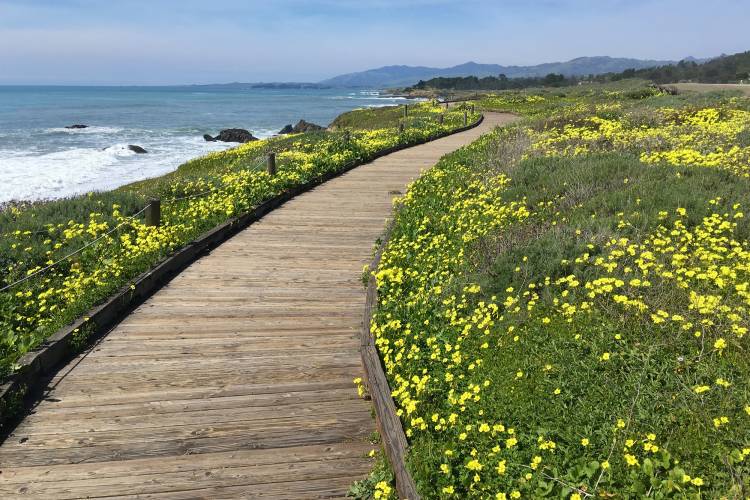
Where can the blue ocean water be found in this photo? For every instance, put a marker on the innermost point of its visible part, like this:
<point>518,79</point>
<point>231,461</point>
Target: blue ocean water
<point>41,159</point>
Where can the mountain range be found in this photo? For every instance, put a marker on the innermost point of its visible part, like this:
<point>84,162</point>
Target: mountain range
<point>401,76</point>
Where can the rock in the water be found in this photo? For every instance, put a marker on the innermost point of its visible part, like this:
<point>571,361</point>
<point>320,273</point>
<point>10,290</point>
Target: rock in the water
<point>303,126</point>
<point>137,149</point>
<point>208,138</point>
<point>77,126</point>
<point>234,135</point>
<point>288,129</point>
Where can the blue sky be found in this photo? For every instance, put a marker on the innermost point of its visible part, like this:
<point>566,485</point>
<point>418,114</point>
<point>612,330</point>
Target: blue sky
<point>204,41</point>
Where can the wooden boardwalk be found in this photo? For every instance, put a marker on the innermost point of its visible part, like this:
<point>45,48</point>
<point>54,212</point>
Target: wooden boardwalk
<point>235,380</point>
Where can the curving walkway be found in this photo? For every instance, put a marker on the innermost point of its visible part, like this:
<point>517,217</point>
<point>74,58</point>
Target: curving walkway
<point>235,380</point>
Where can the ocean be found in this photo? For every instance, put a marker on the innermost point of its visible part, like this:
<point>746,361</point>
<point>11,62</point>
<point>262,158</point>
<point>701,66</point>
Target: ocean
<point>41,159</point>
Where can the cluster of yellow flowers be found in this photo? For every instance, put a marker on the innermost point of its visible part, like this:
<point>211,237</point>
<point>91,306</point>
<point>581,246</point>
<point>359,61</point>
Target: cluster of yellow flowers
<point>33,309</point>
<point>466,366</point>
<point>416,280</point>
<point>705,137</point>
<point>677,282</point>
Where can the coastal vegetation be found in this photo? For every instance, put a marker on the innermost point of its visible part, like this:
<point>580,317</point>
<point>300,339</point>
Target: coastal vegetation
<point>563,304</point>
<point>60,258</point>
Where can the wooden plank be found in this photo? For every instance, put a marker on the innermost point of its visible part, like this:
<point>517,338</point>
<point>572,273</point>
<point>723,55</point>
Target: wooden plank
<point>185,463</point>
<point>219,476</point>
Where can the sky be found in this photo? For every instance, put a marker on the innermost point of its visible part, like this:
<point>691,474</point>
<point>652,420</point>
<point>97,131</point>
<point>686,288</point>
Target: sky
<point>157,42</point>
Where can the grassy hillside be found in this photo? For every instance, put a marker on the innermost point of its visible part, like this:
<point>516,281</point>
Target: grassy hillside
<point>563,305</point>
<point>60,258</point>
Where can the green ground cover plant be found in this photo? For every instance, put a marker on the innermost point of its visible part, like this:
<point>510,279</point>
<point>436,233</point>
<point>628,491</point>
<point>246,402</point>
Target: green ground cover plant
<point>563,304</point>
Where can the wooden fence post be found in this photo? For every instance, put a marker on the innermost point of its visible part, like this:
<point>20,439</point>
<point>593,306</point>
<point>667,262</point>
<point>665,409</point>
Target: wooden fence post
<point>466,118</point>
<point>406,110</point>
<point>271,164</point>
<point>441,118</point>
<point>400,127</point>
<point>472,109</point>
<point>153,213</point>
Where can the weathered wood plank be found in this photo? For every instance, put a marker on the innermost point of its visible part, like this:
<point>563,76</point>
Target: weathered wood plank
<point>185,463</point>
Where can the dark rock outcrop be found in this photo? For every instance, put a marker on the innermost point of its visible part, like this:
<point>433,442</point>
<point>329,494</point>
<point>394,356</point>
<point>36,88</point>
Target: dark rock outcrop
<point>303,126</point>
<point>137,149</point>
<point>288,129</point>
<point>77,126</point>
<point>232,135</point>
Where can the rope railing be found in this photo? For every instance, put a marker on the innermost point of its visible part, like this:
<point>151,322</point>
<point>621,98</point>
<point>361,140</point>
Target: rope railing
<point>46,268</point>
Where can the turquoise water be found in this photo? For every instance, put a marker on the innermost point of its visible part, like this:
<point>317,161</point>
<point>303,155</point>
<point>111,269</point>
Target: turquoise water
<point>41,159</point>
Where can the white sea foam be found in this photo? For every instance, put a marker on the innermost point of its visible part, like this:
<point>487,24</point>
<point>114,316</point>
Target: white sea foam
<point>265,133</point>
<point>28,176</point>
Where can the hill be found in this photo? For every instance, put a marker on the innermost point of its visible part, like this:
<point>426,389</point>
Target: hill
<point>401,76</point>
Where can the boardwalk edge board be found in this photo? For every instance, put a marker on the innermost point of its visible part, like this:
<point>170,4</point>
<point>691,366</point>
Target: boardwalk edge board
<point>26,385</point>
<point>388,422</point>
